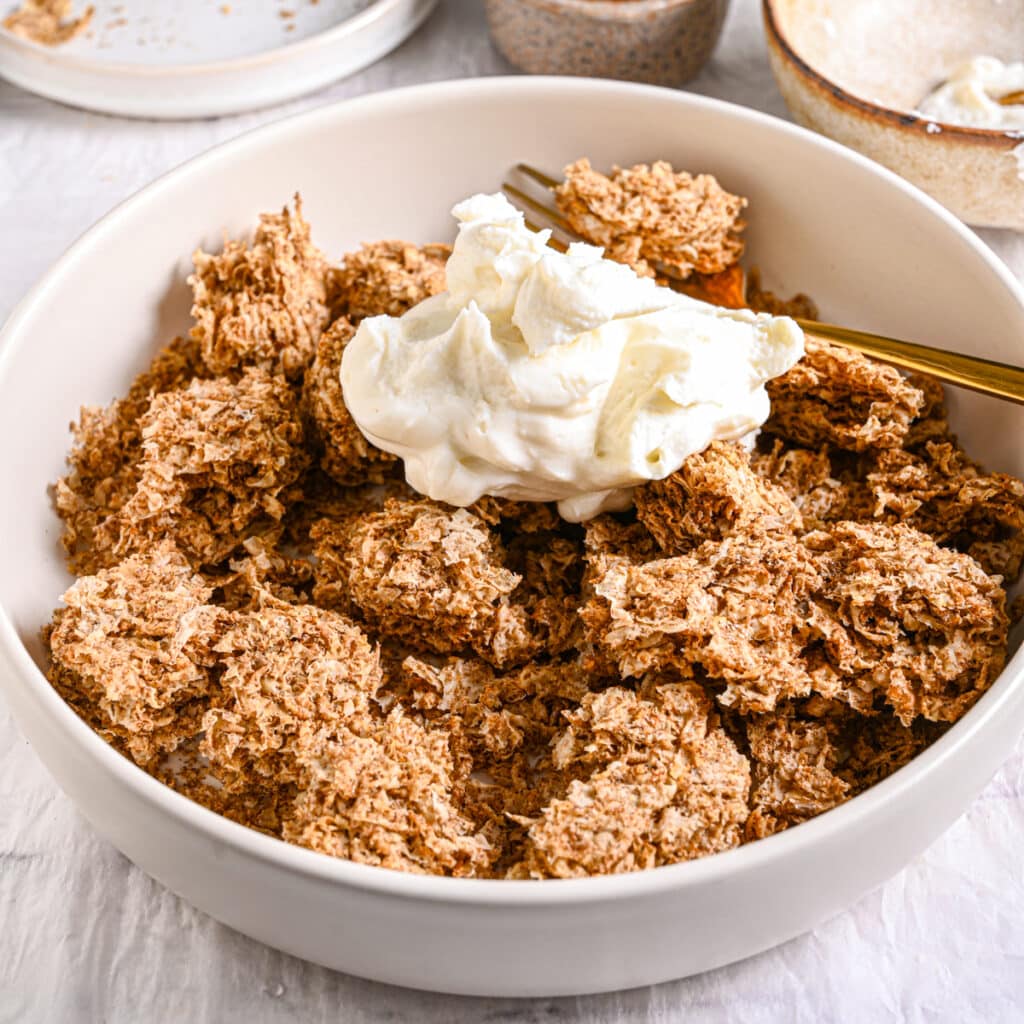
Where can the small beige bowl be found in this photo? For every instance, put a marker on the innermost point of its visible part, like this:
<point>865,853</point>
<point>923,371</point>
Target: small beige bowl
<point>664,42</point>
<point>855,70</point>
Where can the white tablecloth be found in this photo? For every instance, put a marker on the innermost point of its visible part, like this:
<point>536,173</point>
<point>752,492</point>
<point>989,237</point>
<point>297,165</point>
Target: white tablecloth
<point>85,936</point>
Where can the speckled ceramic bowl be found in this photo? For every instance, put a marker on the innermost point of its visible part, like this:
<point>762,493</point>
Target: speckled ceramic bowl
<point>660,41</point>
<point>856,69</point>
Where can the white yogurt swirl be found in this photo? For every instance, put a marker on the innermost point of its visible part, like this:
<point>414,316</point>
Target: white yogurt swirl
<point>970,96</point>
<point>544,376</point>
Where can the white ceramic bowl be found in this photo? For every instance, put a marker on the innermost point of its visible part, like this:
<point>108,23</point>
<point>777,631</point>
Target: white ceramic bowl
<point>875,252</point>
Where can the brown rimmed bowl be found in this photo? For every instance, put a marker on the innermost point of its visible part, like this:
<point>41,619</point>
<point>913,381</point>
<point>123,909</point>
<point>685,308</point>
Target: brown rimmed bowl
<point>855,71</point>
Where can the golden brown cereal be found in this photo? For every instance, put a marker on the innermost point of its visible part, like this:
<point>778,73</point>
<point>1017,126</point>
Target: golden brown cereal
<point>902,620</point>
<point>666,785</point>
<point>103,462</point>
<point>819,488</point>
<point>713,495</point>
<point>651,216</point>
<point>346,455</point>
<point>387,278</point>
<point>733,612</point>
<point>794,765</point>
<point>263,306</point>
<point>384,797</point>
<point>291,677</point>
<point>839,397</point>
<point>218,460</point>
<point>941,491</point>
<point>432,577</point>
<point>124,651</point>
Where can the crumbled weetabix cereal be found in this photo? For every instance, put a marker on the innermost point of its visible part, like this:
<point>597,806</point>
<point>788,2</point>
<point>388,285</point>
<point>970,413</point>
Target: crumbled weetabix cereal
<point>733,612</point>
<point>666,784</point>
<point>839,397</point>
<point>291,677</point>
<point>713,495</point>
<point>941,491</point>
<point>794,763</point>
<point>385,798</point>
<point>218,460</point>
<point>902,620</point>
<point>103,462</point>
<point>346,455</point>
<point>651,216</point>
<point>430,576</point>
<point>387,278</point>
<point>278,627</point>
<point>263,306</point>
<point>123,652</point>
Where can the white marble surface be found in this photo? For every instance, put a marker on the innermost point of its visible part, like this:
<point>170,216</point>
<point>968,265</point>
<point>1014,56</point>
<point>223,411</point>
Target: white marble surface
<point>85,936</point>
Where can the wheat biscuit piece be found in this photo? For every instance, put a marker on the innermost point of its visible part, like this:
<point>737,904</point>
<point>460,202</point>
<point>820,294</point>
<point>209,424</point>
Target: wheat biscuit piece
<point>825,484</point>
<point>499,713</point>
<point>264,305</point>
<point>666,785</point>
<point>219,460</point>
<point>733,613</point>
<point>794,759</point>
<point>124,652</point>
<point>437,579</point>
<point>383,796</point>
<point>291,676</point>
<point>838,397</point>
<point>345,454</point>
<point>939,490</point>
<point>103,460</point>
<point>652,216</point>
<point>898,619</point>
<point>713,495</point>
<point>387,279</point>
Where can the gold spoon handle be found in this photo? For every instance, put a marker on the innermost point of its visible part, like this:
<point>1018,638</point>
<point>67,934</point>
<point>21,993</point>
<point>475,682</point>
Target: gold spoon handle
<point>984,375</point>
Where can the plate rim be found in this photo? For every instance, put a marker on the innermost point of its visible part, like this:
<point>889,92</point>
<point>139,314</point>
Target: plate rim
<point>375,11</point>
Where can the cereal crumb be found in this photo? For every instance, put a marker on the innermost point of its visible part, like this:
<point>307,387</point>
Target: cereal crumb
<point>839,397</point>
<point>652,216</point>
<point>48,22</point>
<point>263,306</point>
<point>345,454</point>
<point>387,278</point>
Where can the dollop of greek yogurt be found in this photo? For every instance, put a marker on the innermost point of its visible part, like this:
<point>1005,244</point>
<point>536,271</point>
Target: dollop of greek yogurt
<point>547,376</point>
<point>970,96</point>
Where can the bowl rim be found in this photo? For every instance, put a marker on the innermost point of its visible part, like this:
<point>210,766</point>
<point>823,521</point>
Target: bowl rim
<point>510,894</point>
<point>374,11</point>
<point>902,120</point>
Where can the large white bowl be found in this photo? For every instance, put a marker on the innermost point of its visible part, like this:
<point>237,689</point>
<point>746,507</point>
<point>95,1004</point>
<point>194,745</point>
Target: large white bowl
<point>875,252</point>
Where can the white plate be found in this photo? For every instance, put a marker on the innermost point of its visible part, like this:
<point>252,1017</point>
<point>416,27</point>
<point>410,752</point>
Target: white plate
<point>872,249</point>
<point>205,58</point>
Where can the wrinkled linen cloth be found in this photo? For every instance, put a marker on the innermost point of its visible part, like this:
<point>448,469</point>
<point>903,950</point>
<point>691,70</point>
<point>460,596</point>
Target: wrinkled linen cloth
<point>86,936</point>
